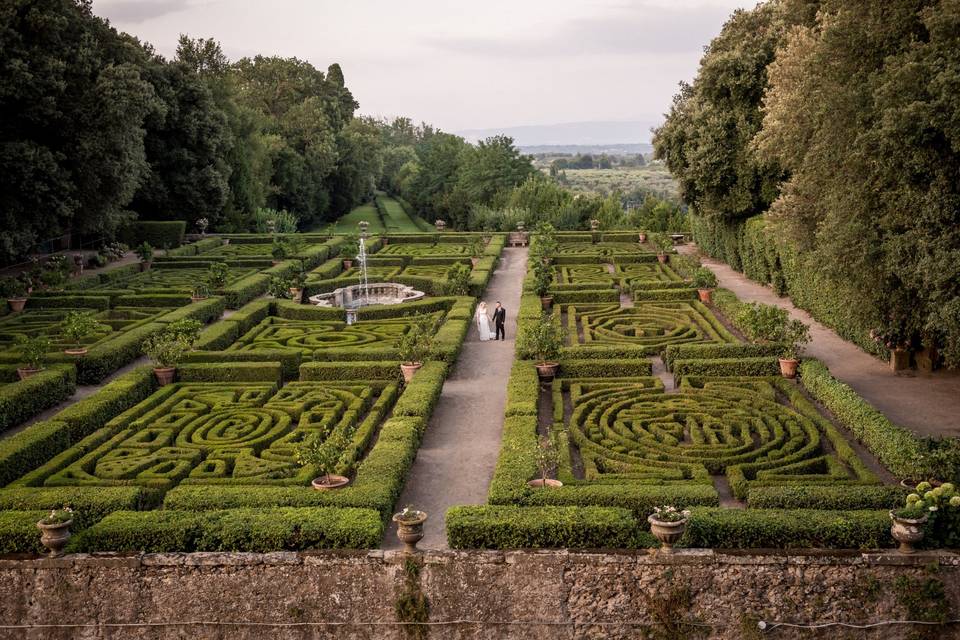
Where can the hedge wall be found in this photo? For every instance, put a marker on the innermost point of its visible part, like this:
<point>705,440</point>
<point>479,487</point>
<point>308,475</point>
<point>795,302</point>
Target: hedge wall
<point>21,400</point>
<point>158,234</point>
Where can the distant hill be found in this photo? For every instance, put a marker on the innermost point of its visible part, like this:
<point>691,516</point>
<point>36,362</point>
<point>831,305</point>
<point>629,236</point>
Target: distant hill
<point>570,133</point>
<point>571,149</point>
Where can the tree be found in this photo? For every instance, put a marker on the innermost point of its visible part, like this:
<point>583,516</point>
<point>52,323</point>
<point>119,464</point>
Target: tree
<point>492,166</point>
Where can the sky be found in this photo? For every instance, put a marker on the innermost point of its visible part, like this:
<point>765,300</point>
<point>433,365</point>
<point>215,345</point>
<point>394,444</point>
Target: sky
<point>460,65</point>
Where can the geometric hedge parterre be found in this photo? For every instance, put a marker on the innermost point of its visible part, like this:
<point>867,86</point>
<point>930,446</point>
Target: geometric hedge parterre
<point>654,325</point>
<point>34,322</point>
<point>222,433</point>
<point>180,278</point>
<point>632,430</point>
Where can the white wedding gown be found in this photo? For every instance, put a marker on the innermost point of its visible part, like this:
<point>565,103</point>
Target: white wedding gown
<point>483,326</point>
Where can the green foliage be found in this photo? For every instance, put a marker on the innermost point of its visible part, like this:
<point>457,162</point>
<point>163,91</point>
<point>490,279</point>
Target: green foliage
<point>77,325</point>
<point>145,252</point>
<point>458,280</point>
<point>20,401</point>
<point>704,278</point>
<point>825,497</point>
<point>761,322</point>
<point>166,349</point>
<point>542,340</point>
<point>154,233</point>
<point>34,349</point>
<point>417,342</point>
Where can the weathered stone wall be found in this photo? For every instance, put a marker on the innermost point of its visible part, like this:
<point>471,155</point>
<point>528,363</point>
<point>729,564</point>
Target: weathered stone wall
<point>550,594</point>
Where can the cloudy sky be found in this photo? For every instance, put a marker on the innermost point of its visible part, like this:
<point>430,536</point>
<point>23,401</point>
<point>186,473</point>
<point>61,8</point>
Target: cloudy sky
<point>459,65</point>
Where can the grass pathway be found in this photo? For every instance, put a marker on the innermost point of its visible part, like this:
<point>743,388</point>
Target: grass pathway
<point>455,462</point>
<point>926,404</point>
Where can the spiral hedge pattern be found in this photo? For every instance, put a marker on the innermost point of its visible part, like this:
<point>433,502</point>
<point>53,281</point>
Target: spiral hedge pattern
<point>648,324</point>
<point>601,248</point>
<point>215,433</point>
<point>33,322</point>
<point>442,249</point>
<point>181,279</point>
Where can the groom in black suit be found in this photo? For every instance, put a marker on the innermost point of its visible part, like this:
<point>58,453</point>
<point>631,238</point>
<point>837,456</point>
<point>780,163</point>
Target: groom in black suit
<point>500,317</point>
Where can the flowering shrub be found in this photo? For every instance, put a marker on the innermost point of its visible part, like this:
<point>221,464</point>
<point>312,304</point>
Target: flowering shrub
<point>941,506</point>
<point>58,516</point>
<point>667,513</point>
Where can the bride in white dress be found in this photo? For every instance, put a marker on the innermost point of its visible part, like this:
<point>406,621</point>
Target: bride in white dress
<point>483,322</point>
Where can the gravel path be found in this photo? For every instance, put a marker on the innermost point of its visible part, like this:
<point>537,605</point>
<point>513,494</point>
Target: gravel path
<point>459,450</point>
<point>926,404</point>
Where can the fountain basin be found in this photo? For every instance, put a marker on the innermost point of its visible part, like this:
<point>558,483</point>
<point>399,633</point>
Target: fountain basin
<point>358,295</point>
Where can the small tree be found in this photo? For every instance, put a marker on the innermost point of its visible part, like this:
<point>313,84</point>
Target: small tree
<point>322,454</point>
<point>217,274</point>
<point>477,247</point>
<point>662,242</point>
<point>703,278</point>
<point>77,325</point>
<point>542,279</point>
<point>279,286</point>
<point>416,344</point>
<point>34,350</point>
<point>794,335</point>
<point>186,328</point>
<point>144,252</point>
<point>12,288</point>
<point>200,290</point>
<point>165,349</point>
<point>543,339</point>
<point>544,244</point>
<point>548,458</point>
<point>458,280</point>
<point>280,249</point>
<point>762,322</point>
<point>350,248</point>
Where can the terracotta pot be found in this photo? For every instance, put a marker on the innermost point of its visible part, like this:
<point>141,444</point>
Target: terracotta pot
<point>295,292</point>
<point>546,302</point>
<point>474,262</point>
<point>547,371</point>
<point>540,484</point>
<point>410,530</point>
<point>386,241</point>
<point>926,359</point>
<point>668,533</point>
<point>409,369</point>
<point>705,295</point>
<point>55,537</point>
<point>326,483</point>
<point>643,237</point>
<point>164,375</point>
<point>76,352</point>
<point>907,532</point>
<point>16,304</point>
<point>197,298</point>
<point>788,367</point>
<point>27,372</point>
<point>899,359</point>
<point>145,266</point>
<point>662,258</point>
<point>348,264</point>
<point>275,262</point>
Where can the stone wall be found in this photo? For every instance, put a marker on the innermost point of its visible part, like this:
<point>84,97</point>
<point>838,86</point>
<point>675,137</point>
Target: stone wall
<point>549,594</point>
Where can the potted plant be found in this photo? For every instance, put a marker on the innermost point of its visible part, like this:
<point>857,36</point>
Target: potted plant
<point>55,530</point>
<point>202,224</point>
<point>217,274</point>
<point>544,243</point>
<point>643,236</point>
<point>15,291</point>
<point>76,326</point>
<point>664,245</point>
<point>704,281</point>
<point>668,524</point>
<point>280,250</point>
<point>477,248</point>
<point>323,455</point>
<point>296,285</point>
<point>440,225</point>
<point>548,459</point>
<point>594,225</point>
<point>458,280</point>
<point>34,350</point>
<point>200,291</point>
<point>415,346</point>
<point>410,527</point>
<point>794,335</point>
<point>543,340</point>
<point>166,350</point>
<point>349,249</point>
<point>909,522</point>
<point>145,253</point>
<point>542,279</point>
<point>280,286</point>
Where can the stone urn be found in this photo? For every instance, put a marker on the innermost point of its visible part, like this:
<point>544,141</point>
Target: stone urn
<point>594,225</point>
<point>440,225</point>
<point>410,528</point>
<point>899,359</point>
<point>409,370</point>
<point>164,375</point>
<point>55,536</point>
<point>25,372</point>
<point>907,531</point>
<point>788,367</point>
<point>668,533</point>
<point>547,371</point>
<point>329,481</point>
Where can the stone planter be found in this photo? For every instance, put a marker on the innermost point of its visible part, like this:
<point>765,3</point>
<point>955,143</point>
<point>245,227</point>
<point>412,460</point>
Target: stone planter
<point>668,533</point>
<point>295,293</point>
<point>16,304</point>
<point>594,225</point>
<point>440,225</point>
<point>546,302</point>
<point>347,264</point>
<point>82,351</point>
<point>907,532</point>
<point>329,482</point>
<point>26,372</point>
<point>547,371</point>
<point>540,483</point>
<point>705,295</point>
<point>197,298</point>
<point>788,367</point>
<point>55,536</point>
<point>662,258</point>
<point>145,266</point>
<point>474,261</point>
<point>899,359</point>
<point>409,370</point>
<point>410,529</point>
<point>164,375</point>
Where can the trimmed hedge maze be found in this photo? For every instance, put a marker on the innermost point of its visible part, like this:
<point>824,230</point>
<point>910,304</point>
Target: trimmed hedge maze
<point>162,279</point>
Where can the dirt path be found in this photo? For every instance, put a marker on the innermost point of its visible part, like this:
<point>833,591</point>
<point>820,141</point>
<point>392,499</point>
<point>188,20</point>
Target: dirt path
<point>459,450</point>
<point>926,404</point>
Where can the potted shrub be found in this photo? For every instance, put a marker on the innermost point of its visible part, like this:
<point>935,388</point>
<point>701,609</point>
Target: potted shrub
<point>542,279</point>
<point>643,236</point>
<point>762,323</point>
<point>217,274</point>
<point>440,225</point>
<point>166,350</point>
<point>415,346</point>
<point>202,224</point>
<point>544,243</point>
<point>15,292</point>
<point>296,285</point>
<point>664,245</point>
<point>410,527</point>
<point>594,225</point>
<point>705,282</point>
<point>34,350</point>
<point>794,336</point>
<point>349,249</point>
<point>55,530</point>
<point>200,291</point>
<point>477,248</point>
<point>280,286</point>
<point>280,250</point>
<point>543,340</point>
<point>548,459</point>
<point>458,280</point>
<point>323,455</point>
<point>76,326</point>
<point>668,524</point>
<point>145,253</point>
<point>909,522</point>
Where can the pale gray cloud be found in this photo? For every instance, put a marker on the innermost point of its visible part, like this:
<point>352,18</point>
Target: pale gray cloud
<point>138,11</point>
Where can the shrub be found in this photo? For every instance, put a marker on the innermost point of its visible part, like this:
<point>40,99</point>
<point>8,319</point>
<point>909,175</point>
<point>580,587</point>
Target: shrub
<point>231,372</point>
<point>165,349</point>
<point>458,280</point>
<point>825,497</point>
<point>77,325</point>
<point>34,349</point>
<point>417,343</point>
<point>18,532</point>
<point>704,278</point>
<point>22,400</point>
<point>217,274</point>
<point>542,339</point>
<point>144,251</point>
<point>761,322</point>
<point>158,234</point>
